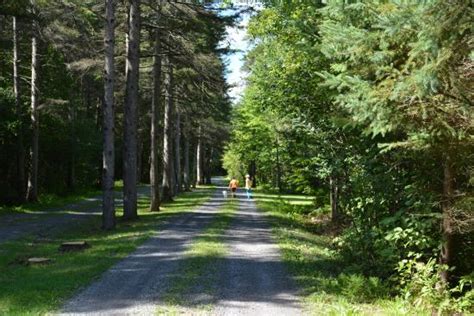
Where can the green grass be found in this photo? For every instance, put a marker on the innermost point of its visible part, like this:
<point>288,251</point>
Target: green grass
<point>33,290</point>
<point>330,285</point>
<point>49,201</point>
<point>199,271</point>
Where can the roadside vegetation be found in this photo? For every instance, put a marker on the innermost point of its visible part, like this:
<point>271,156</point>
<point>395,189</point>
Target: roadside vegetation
<point>330,283</point>
<point>33,290</point>
<point>367,107</point>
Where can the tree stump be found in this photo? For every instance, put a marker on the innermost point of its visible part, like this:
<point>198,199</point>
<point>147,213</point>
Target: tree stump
<point>73,246</point>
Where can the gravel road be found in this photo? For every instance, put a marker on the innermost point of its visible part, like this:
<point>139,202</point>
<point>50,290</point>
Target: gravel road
<point>134,285</point>
<point>45,222</point>
<point>252,278</point>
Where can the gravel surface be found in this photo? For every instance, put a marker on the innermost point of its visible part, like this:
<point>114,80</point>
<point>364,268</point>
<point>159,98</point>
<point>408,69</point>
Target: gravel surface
<point>134,285</point>
<point>44,223</point>
<point>254,280</point>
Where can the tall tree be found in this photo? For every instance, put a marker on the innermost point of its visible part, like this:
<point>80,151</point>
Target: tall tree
<point>168,174</point>
<point>177,151</point>
<point>32,192</point>
<point>16,91</point>
<point>131,113</point>
<point>108,151</point>
<point>186,170</point>
<point>199,157</point>
<point>154,132</point>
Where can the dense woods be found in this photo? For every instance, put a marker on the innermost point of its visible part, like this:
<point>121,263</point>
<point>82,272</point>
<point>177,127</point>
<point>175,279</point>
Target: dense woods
<point>139,83</point>
<point>368,106</point>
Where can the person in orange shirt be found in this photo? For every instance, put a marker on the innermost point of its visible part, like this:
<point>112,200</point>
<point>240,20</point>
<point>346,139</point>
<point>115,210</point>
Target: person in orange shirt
<point>233,185</point>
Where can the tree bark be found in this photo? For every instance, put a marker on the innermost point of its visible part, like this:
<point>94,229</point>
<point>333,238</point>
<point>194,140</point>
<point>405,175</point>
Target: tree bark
<point>168,173</point>
<point>446,255</point>
<point>177,151</point>
<point>131,113</point>
<point>108,152</point>
<point>32,191</point>
<point>16,91</point>
<point>71,176</point>
<point>186,178</point>
<point>154,134</point>
<point>199,156</point>
<point>334,198</point>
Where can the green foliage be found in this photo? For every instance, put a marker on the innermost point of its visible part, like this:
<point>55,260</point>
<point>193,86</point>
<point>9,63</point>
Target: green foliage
<point>369,97</point>
<point>421,287</point>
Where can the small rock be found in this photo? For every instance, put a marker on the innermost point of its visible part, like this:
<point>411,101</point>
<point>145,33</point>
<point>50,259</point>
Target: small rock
<point>36,261</point>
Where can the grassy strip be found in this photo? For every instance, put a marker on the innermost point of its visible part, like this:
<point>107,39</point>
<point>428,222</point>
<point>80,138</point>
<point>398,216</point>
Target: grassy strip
<point>200,270</point>
<point>33,290</point>
<point>329,285</point>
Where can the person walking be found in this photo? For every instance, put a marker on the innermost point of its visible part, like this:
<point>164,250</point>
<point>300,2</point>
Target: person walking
<point>248,186</point>
<point>233,185</point>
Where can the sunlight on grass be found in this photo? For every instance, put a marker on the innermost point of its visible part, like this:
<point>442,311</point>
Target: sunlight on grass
<point>33,290</point>
<point>49,201</point>
<point>329,285</point>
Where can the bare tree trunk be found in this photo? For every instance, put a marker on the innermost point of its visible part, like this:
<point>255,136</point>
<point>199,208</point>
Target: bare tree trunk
<point>194,168</point>
<point>168,173</point>
<point>177,151</point>
<point>131,113</point>
<point>208,166</point>
<point>186,178</point>
<point>446,255</point>
<point>108,152</point>
<point>199,156</point>
<point>16,91</point>
<point>71,176</point>
<point>334,198</point>
<point>32,191</point>
<point>154,146</point>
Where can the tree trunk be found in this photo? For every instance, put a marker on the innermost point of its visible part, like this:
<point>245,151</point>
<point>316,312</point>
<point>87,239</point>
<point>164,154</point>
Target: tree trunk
<point>199,171</point>
<point>177,151</point>
<point>32,191</point>
<point>278,168</point>
<point>193,177</point>
<point>208,169</point>
<point>253,173</point>
<point>168,173</point>
<point>154,134</point>
<point>186,178</point>
<point>446,255</point>
<point>71,175</point>
<point>108,152</point>
<point>16,91</point>
<point>131,113</point>
<point>334,198</point>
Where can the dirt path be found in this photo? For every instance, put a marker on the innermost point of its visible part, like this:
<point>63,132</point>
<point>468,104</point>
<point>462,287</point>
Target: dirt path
<point>43,223</point>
